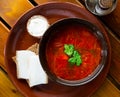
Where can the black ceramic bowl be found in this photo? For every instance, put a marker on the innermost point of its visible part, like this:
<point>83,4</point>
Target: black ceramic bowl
<point>53,30</point>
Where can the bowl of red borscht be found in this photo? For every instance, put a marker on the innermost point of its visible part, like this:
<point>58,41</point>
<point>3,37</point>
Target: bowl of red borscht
<point>73,51</point>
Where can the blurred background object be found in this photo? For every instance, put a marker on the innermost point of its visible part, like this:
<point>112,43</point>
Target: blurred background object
<point>101,7</point>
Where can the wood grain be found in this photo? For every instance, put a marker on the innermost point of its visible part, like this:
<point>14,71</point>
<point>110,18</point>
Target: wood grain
<point>44,1</point>
<point>107,90</point>
<point>7,89</point>
<point>3,37</point>
<point>115,62</point>
<point>11,10</point>
<point>113,20</point>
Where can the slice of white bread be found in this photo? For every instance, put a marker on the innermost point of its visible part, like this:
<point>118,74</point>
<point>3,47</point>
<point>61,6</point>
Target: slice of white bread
<point>22,63</point>
<point>28,66</point>
<point>36,73</point>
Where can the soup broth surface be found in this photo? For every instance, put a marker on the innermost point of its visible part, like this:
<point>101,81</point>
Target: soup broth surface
<point>84,41</point>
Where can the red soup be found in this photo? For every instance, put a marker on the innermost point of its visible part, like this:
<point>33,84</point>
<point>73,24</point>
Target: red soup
<point>84,42</point>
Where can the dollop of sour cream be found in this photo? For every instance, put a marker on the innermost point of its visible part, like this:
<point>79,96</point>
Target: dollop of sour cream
<point>37,25</point>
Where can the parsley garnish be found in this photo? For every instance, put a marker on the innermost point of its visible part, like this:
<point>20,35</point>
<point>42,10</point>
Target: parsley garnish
<point>75,57</point>
<point>68,49</point>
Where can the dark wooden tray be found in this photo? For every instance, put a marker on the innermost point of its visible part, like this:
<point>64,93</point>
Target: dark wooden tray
<point>20,39</point>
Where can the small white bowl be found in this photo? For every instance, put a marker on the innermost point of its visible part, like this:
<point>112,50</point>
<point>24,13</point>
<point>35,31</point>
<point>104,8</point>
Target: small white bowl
<point>37,25</point>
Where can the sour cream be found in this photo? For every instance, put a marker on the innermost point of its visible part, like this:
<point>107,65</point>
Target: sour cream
<point>37,25</point>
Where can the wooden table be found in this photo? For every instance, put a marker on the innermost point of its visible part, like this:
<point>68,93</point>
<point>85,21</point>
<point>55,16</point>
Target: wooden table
<point>11,10</point>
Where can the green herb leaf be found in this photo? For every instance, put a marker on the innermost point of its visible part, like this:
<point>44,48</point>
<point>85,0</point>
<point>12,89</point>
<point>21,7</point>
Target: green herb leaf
<point>68,49</point>
<point>78,61</point>
<point>75,57</point>
<point>75,53</point>
<point>72,60</point>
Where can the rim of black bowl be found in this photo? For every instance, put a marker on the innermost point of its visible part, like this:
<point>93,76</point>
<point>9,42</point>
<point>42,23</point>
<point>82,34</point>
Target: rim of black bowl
<point>96,32</point>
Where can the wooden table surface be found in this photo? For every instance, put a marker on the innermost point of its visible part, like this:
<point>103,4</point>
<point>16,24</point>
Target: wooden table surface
<point>11,10</point>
